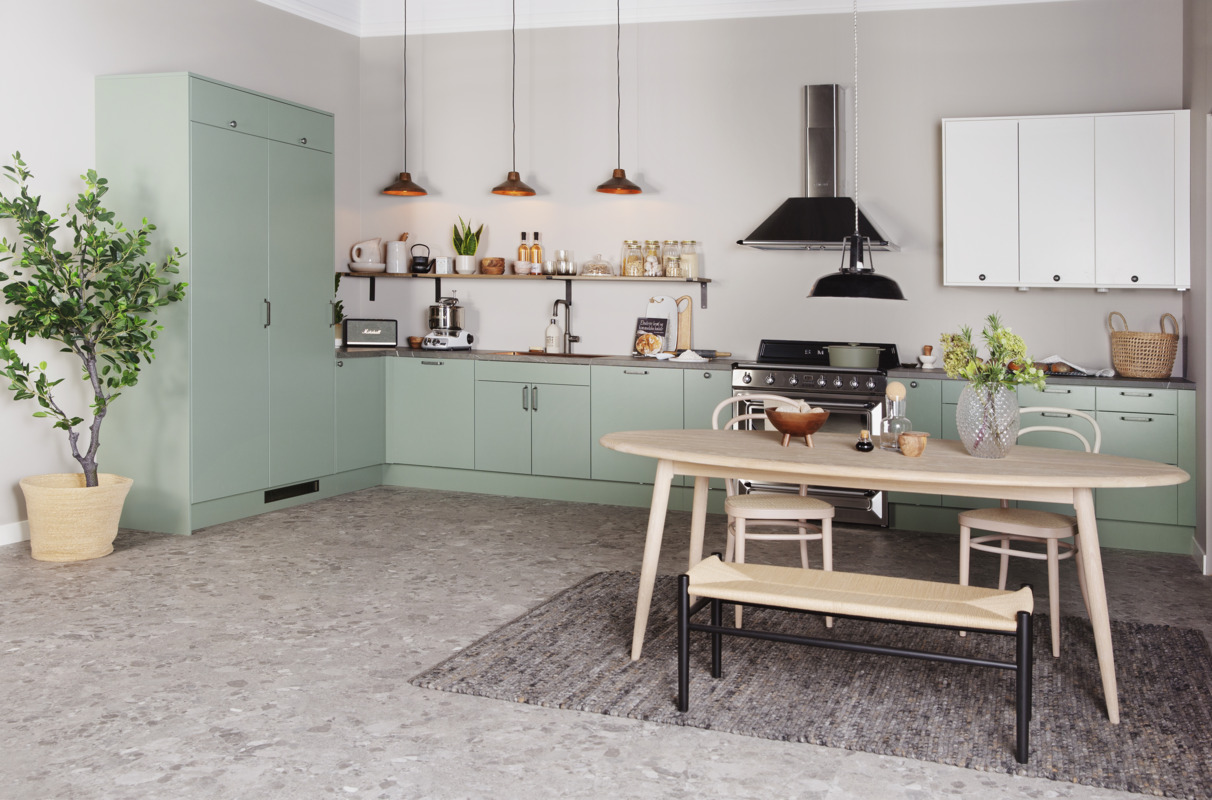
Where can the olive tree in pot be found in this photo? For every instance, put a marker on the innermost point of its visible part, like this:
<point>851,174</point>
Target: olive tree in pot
<point>94,297</point>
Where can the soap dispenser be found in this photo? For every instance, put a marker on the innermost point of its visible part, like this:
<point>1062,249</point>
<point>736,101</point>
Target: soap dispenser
<point>551,341</point>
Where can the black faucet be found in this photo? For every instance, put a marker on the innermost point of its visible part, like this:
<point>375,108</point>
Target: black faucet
<point>569,339</point>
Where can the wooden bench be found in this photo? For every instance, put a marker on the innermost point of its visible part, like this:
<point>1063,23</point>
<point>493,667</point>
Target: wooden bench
<point>857,596</point>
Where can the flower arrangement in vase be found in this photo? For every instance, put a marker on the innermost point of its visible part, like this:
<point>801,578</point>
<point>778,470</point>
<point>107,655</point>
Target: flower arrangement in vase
<point>987,414</point>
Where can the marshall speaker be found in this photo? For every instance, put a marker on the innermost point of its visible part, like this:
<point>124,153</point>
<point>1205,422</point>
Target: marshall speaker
<point>369,332</point>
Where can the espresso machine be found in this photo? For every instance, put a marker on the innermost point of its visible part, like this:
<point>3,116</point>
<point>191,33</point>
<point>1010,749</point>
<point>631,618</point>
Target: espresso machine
<point>446,327</point>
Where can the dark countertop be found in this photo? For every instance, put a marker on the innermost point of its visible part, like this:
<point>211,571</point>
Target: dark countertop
<point>1059,380</point>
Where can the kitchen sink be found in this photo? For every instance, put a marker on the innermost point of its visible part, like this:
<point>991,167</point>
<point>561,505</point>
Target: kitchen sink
<point>550,355</point>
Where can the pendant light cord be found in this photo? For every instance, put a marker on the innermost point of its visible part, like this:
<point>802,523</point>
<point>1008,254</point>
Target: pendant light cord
<point>618,82</point>
<point>406,85</point>
<point>856,121</point>
<point>513,34</point>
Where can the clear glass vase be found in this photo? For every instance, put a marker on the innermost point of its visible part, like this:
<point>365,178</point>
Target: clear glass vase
<point>987,420</point>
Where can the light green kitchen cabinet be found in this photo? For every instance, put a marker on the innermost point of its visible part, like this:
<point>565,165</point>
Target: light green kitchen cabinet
<point>431,412</point>
<point>360,421</point>
<point>631,399</point>
<point>1141,424</point>
<point>702,391</point>
<point>923,406</point>
<point>240,397</point>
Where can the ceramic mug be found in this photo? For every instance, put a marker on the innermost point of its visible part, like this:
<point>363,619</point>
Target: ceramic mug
<point>397,257</point>
<point>366,252</point>
<point>521,268</point>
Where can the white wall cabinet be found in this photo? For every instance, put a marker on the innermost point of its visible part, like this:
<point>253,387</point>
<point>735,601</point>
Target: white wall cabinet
<point>1067,201</point>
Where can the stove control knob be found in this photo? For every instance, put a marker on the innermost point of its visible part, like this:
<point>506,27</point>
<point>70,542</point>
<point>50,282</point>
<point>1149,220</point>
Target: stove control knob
<point>746,378</point>
<point>871,383</point>
<point>854,383</point>
<point>770,380</point>
<point>821,381</point>
<point>837,383</point>
<point>793,381</point>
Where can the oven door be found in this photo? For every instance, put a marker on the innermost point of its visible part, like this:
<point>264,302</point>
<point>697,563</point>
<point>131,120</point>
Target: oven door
<point>847,415</point>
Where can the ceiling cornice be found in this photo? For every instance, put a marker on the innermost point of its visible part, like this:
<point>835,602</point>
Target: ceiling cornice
<point>369,18</point>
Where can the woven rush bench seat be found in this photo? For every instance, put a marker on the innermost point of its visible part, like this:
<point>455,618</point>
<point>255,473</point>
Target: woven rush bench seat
<point>861,596</point>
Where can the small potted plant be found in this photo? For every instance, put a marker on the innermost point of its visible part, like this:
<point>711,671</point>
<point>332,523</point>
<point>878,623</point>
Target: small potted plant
<point>465,242</point>
<point>987,413</point>
<point>92,294</point>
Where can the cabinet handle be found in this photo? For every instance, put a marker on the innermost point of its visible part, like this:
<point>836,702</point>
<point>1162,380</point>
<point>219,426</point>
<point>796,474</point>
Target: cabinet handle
<point>432,363</point>
<point>534,398</point>
<point>1054,414</point>
<point>303,140</point>
<point>525,396</point>
<point>635,372</point>
<point>268,312</point>
<point>1136,394</point>
<point>231,124</point>
<point>1057,391</point>
<point>1136,419</point>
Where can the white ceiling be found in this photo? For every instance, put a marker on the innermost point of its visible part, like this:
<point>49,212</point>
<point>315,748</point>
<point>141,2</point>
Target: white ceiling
<point>386,17</point>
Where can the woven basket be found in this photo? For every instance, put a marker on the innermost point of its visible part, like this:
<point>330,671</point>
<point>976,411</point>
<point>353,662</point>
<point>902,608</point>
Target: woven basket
<point>69,522</point>
<point>1135,354</point>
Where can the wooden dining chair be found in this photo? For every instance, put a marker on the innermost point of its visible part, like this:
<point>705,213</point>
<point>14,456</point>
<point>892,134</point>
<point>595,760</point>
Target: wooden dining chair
<point>771,509</point>
<point>1056,532</point>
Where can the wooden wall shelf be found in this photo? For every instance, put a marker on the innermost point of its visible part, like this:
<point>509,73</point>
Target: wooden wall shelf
<point>568,279</point>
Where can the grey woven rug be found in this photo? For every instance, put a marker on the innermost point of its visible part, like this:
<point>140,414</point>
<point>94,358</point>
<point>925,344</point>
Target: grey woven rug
<point>572,652</point>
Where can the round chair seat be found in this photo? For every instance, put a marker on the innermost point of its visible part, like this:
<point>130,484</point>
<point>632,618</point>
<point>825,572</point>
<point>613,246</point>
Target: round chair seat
<point>1022,521</point>
<point>777,506</point>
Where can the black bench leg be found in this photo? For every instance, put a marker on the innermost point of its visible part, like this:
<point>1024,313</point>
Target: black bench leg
<point>717,638</point>
<point>683,643</point>
<point>1022,684</point>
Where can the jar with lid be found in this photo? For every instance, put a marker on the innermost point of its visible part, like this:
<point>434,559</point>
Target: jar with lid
<point>652,259</point>
<point>690,259</point>
<point>632,261</point>
<point>597,266</point>
<point>671,255</point>
<point>895,422</point>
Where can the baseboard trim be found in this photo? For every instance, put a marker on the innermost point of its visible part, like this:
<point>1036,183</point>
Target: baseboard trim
<point>1200,557</point>
<point>14,532</point>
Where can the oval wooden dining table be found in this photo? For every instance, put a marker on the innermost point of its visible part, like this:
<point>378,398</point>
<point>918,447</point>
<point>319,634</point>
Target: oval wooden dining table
<point>1027,473</point>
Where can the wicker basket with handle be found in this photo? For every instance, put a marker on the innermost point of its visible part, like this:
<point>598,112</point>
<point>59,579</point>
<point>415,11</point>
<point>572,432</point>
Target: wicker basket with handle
<point>1136,354</point>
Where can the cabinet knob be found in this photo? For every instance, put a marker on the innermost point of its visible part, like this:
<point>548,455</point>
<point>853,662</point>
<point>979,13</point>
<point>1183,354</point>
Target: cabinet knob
<point>1056,278</point>
<point>912,384</point>
<point>981,276</point>
<point>340,363</point>
<point>303,140</point>
<point>1135,278</point>
<point>707,375</point>
<point>231,124</point>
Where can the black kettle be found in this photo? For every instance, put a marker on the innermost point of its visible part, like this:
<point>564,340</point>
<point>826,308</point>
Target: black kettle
<point>420,263</point>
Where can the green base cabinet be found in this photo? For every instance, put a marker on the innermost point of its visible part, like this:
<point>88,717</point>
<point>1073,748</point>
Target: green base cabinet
<point>240,397</point>
<point>631,399</point>
<point>923,405</point>
<point>431,412</point>
<point>360,420</point>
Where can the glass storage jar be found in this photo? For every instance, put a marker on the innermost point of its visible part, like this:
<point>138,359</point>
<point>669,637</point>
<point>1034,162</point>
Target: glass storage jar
<point>690,259</point>
<point>631,264</point>
<point>652,259</point>
<point>671,259</point>
<point>597,266</point>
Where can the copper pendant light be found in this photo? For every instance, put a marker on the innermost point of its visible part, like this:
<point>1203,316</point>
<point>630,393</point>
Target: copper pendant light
<point>856,278</point>
<point>513,185</point>
<point>618,183</point>
<point>404,186</point>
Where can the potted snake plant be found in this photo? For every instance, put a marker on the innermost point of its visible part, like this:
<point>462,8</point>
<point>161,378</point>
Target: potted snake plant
<point>465,242</point>
<point>92,292</point>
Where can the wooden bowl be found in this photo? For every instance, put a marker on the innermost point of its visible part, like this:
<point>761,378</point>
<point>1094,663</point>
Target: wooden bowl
<point>492,266</point>
<point>912,444</point>
<point>415,342</point>
<point>796,423</point>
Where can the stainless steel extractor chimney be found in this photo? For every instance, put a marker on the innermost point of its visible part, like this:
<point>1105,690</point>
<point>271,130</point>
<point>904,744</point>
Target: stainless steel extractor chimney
<point>821,220</point>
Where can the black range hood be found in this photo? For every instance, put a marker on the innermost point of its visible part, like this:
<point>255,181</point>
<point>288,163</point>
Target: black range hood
<point>821,220</point>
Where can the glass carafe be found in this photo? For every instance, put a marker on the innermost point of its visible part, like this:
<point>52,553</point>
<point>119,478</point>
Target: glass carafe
<point>895,422</point>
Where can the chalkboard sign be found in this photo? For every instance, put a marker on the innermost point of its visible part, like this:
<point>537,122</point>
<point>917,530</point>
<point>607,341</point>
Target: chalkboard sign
<point>650,335</point>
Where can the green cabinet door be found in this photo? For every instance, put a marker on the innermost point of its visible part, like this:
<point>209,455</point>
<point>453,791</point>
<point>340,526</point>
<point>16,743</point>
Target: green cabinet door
<point>431,412</point>
<point>924,407</point>
<point>360,398</point>
<point>559,430</point>
<point>229,287</point>
<point>1139,435</point>
<point>702,391</point>
<point>301,195</point>
<point>631,399</point>
<point>502,429</point>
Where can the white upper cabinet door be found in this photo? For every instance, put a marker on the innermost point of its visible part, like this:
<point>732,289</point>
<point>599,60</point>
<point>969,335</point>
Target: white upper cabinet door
<point>980,202</point>
<point>1056,201</point>
<point>1135,204</point>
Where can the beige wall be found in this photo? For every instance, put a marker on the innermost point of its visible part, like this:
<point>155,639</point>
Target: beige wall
<point>48,116</point>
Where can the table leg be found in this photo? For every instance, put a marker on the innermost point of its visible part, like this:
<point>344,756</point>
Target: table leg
<point>1096,593</point>
<point>698,520</point>
<point>652,552</point>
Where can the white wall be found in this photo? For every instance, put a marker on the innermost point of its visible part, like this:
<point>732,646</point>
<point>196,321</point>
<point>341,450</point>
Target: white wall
<point>48,115</point>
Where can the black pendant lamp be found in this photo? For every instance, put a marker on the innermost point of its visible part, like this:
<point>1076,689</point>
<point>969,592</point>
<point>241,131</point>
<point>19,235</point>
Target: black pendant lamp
<point>618,183</point>
<point>403,186</point>
<point>513,185</point>
<point>856,278</point>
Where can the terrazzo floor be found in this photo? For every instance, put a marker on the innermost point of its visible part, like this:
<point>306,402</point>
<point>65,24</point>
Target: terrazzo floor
<point>268,658</point>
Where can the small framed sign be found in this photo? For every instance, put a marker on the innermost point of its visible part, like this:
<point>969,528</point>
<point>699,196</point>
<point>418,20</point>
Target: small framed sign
<point>651,334</point>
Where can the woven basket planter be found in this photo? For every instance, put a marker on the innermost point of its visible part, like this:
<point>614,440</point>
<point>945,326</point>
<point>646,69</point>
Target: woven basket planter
<point>69,521</point>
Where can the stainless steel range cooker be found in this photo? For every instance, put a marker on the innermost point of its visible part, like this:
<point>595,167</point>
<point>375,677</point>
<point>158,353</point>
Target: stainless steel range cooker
<point>853,396</point>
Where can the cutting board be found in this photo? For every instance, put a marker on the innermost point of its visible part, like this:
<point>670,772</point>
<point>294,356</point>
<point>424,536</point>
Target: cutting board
<point>665,307</point>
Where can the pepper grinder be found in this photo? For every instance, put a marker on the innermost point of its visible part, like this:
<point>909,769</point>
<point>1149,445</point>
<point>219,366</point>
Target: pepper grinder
<point>895,422</point>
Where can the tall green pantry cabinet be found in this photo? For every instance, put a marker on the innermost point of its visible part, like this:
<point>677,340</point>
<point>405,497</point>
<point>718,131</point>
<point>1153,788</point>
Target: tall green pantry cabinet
<point>240,398</point>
